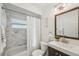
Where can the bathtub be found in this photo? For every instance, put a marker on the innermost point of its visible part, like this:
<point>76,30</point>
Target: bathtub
<point>16,51</point>
<point>23,53</point>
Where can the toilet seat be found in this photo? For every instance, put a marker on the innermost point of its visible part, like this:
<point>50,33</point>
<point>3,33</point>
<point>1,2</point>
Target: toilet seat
<point>38,52</point>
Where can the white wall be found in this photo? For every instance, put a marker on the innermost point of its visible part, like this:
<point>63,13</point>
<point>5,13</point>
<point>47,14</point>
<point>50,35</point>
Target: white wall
<point>47,23</point>
<point>50,14</point>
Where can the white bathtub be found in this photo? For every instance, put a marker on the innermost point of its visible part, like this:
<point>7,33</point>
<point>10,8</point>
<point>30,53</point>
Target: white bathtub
<point>23,53</point>
<point>16,51</point>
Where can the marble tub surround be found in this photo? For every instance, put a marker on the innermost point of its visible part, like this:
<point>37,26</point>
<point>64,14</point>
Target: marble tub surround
<point>14,39</point>
<point>15,43</point>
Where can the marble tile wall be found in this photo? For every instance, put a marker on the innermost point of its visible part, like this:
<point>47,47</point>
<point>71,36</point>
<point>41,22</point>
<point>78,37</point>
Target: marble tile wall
<point>16,37</point>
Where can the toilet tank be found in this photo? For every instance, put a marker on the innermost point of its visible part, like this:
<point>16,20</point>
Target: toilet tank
<point>43,46</point>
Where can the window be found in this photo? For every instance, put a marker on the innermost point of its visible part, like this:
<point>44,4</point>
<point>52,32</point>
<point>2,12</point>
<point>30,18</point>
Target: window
<point>18,23</point>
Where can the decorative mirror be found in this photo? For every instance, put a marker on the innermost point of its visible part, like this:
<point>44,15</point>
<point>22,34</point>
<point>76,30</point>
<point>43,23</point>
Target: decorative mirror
<point>67,24</point>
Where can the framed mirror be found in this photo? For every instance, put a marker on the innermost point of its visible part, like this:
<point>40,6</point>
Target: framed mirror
<point>67,24</point>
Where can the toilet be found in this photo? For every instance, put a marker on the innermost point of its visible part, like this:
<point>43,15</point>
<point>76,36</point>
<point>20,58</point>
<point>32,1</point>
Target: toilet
<point>40,52</point>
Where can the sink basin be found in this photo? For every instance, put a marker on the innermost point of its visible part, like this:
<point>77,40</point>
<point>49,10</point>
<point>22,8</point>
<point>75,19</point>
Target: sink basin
<point>61,44</point>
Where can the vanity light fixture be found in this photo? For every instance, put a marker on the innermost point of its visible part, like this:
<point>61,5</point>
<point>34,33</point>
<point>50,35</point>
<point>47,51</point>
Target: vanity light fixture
<point>60,7</point>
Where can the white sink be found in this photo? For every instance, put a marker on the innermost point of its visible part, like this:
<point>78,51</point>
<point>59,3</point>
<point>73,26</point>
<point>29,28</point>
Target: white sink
<point>61,44</point>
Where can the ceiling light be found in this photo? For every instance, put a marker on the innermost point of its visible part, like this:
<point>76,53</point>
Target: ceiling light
<point>60,7</point>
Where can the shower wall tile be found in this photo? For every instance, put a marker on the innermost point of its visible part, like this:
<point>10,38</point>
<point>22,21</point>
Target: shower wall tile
<point>16,37</point>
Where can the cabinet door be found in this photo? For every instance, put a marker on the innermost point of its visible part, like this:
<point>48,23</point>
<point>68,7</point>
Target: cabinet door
<point>52,52</point>
<point>63,54</point>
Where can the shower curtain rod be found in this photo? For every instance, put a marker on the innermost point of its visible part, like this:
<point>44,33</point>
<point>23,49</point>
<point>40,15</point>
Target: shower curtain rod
<point>19,12</point>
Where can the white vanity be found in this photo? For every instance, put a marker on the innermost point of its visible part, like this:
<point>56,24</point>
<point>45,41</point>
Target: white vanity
<point>65,48</point>
<point>56,48</point>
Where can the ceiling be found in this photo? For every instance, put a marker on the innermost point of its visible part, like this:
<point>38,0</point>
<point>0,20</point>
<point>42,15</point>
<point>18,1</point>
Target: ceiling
<point>44,6</point>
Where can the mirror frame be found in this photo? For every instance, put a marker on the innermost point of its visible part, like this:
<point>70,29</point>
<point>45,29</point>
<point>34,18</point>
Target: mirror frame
<point>64,13</point>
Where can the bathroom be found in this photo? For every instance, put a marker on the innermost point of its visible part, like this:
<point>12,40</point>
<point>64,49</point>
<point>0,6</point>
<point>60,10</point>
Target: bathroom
<point>32,29</point>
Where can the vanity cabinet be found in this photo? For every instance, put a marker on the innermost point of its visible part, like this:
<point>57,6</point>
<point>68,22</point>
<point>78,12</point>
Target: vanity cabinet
<point>54,52</point>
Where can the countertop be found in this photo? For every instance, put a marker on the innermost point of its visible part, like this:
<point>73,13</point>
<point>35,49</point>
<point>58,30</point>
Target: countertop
<point>70,49</point>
